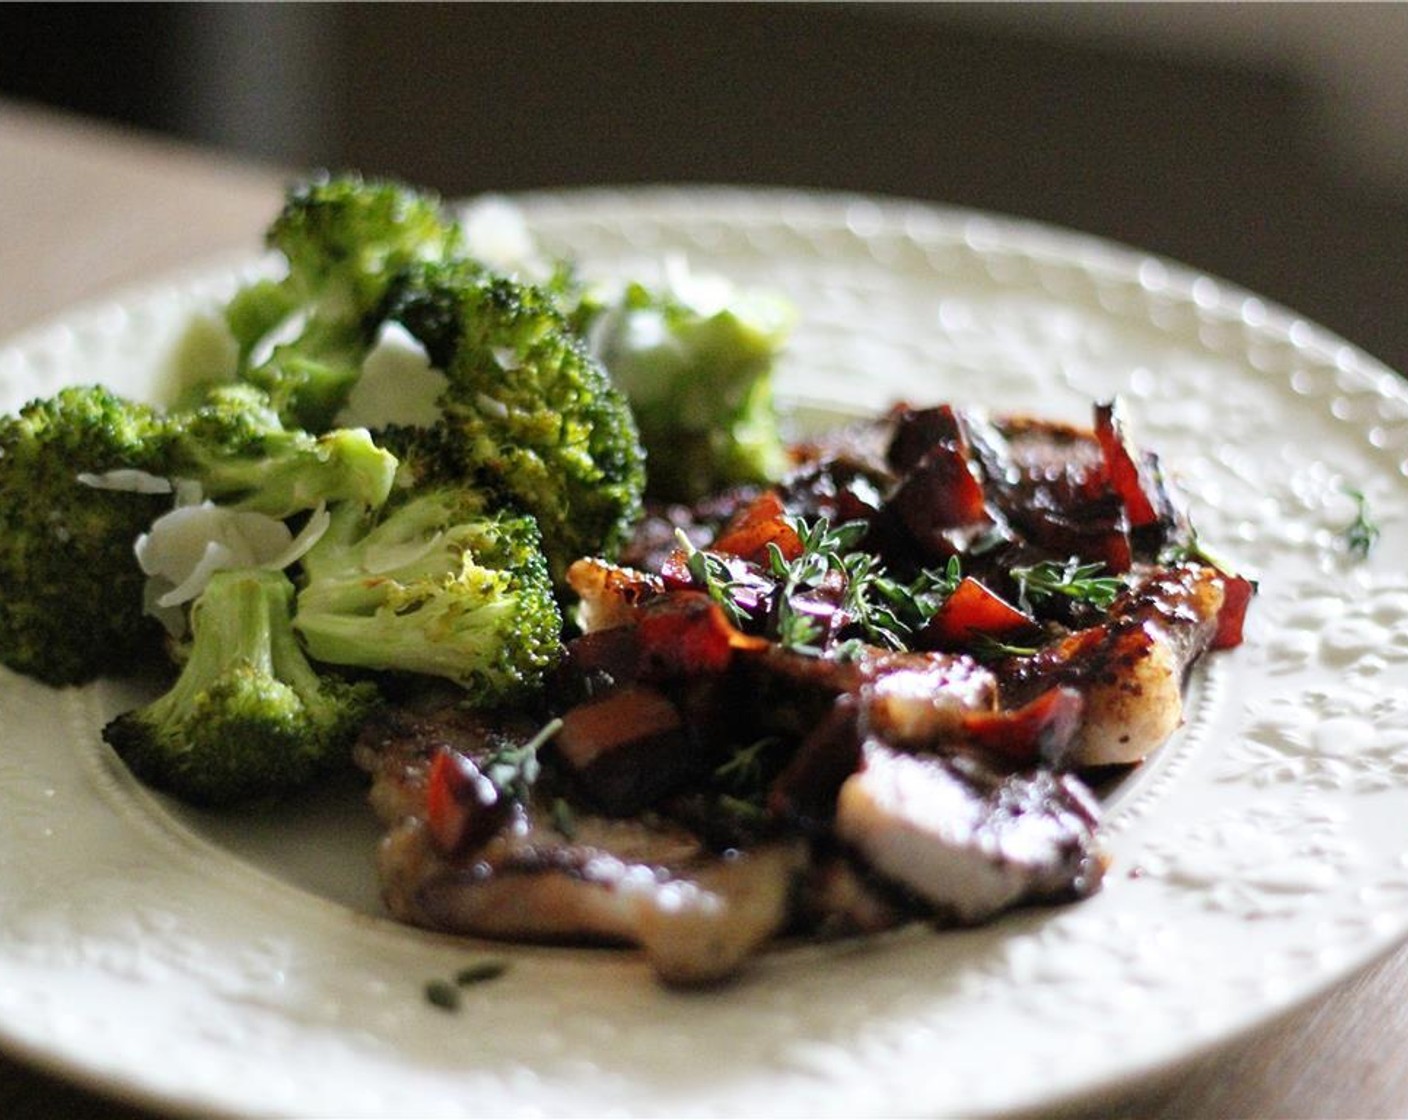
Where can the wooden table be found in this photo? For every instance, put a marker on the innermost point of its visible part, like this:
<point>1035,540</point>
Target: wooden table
<point>85,209</point>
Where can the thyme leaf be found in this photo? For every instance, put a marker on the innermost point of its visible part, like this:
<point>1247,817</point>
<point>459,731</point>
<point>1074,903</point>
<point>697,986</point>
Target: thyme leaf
<point>477,973</point>
<point>563,819</point>
<point>515,768</point>
<point>1073,580</point>
<point>931,587</point>
<point>445,994</point>
<point>744,769</point>
<point>1361,534</point>
<point>1196,551</point>
<point>711,574</point>
<point>442,994</point>
<point>987,648</point>
<point>741,807</point>
<point>883,610</point>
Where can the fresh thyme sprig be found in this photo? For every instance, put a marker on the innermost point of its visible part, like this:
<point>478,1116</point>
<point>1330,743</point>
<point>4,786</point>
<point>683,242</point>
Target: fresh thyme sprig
<point>1073,580</point>
<point>1361,534</point>
<point>1197,551</point>
<point>875,602</point>
<point>710,573</point>
<point>515,769</point>
<point>926,594</point>
<point>874,608</point>
<point>744,768</point>
<point>885,611</point>
<point>987,648</point>
<point>744,777</point>
<point>870,600</point>
<point>822,550</point>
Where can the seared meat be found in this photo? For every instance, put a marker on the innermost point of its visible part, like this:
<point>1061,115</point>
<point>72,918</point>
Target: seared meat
<point>551,875</point>
<point>967,841</point>
<point>698,911</point>
<point>824,708</point>
<point>1131,667</point>
<point>696,914</point>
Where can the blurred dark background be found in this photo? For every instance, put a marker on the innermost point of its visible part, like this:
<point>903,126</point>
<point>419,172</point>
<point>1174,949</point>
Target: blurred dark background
<point>1262,143</point>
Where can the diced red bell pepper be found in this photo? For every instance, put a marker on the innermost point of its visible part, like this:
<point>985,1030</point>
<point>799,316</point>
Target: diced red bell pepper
<point>464,809</point>
<point>1237,592</point>
<point>1123,468</point>
<point>685,633</point>
<point>762,523</point>
<point>1039,731</point>
<point>973,611</point>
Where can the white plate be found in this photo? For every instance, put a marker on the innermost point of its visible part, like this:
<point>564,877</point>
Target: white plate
<point>242,966</point>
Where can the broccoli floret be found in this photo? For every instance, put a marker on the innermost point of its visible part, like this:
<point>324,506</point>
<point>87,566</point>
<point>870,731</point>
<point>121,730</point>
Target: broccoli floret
<point>437,586</point>
<point>527,412</point>
<point>85,473</point>
<point>248,717</point>
<point>243,456</point>
<point>343,239</point>
<point>698,374</point>
<point>77,475</point>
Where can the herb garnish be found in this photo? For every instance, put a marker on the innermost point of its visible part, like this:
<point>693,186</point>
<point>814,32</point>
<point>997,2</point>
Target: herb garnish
<point>442,994</point>
<point>1361,534</point>
<point>828,577</point>
<point>1196,551</point>
<point>741,807</point>
<point>929,590</point>
<point>563,819</point>
<point>988,648</point>
<point>446,994</point>
<point>1079,582</point>
<point>709,572</point>
<point>481,971</point>
<point>744,769</point>
<point>884,610</point>
<point>513,769</point>
<point>744,776</point>
<point>822,552</point>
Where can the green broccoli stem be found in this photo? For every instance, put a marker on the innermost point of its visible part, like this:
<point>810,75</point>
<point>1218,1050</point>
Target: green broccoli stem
<point>242,617</point>
<point>256,311</point>
<point>310,379</point>
<point>249,716</point>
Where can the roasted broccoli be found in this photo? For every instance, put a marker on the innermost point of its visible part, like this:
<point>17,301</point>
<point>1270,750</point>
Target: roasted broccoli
<point>437,585</point>
<point>526,412</point>
<point>696,363</point>
<point>692,352</point>
<point>343,238</point>
<point>239,451</point>
<point>85,473</point>
<point>81,475</point>
<point>248,717</point>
